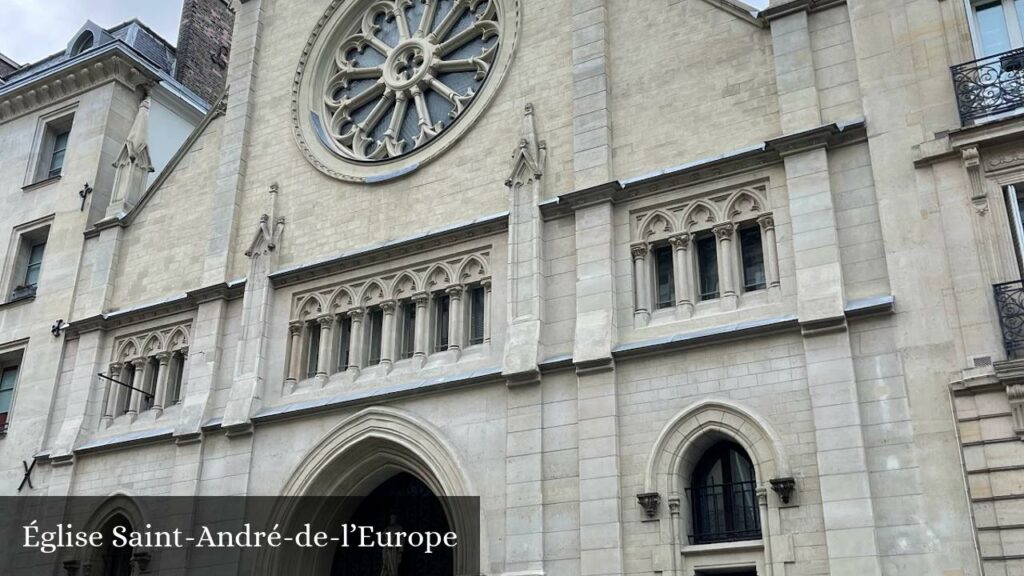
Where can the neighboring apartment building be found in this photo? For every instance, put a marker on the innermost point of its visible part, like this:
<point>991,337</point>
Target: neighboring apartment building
<point>674,286</point>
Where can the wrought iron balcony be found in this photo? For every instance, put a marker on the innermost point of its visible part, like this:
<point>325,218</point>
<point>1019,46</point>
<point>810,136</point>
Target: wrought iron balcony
<point>989,86</point>
<point>1010,305</point>
<point>725,513</point>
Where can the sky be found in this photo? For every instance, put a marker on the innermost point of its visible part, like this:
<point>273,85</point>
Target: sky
<point>34,29</point>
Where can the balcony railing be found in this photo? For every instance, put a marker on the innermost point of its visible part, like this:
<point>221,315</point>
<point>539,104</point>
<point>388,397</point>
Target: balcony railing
<point>989,86</point>
<point>1010,305</point>
<point>725,513</point>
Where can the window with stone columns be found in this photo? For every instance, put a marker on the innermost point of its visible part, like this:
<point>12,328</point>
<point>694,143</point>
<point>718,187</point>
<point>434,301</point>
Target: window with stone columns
<point>698,251</point>
<point>439,308</point>
<point>146,372</point>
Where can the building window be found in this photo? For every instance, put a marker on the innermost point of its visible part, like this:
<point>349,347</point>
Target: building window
<point>752,259</point>
<point>344,342</point>
<point>723,496</point>
<point>375,335</point>
<point>997,26</point>
<point>442,309</point>
<point>8,381</point>
<point>84,42</point>
<point>149,384</point>
<point>53,148</point>
<point>177,366</point>
<point>707,267</point>
<point>664,281</point>
<point>312,348</point>
<point>128,379</point>
<point>407,330</point>
<point>477,315</point>
<point>28,261</point>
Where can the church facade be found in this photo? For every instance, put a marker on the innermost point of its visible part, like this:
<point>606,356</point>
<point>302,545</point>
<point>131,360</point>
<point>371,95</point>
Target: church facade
<point>674,287</point>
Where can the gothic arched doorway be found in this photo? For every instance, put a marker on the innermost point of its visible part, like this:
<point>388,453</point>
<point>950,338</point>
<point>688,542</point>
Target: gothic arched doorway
<point>114,560</point>
<point>406,501</point>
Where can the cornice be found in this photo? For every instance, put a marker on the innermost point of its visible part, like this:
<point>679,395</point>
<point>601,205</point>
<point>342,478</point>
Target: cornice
<point>174,305</point>
<point>740,161</point>
<point>112,63</point>
<point>778,10</point>
<point>365,256</point>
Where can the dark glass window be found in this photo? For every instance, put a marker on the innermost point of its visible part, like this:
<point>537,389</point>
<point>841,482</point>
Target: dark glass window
<point>312,349</point>
<point>177,366</point>
<point>723,496</point>
<point>152,372</point>
<point>35,264</point>
<point>8,378</point>
<point>441,308</point>
<point>753,259</point>
<point>60,147</point>
<point>128,378</point>
<point>477,305</point>
<point>664,282</point>
<point>407,342</point>
<point>707,267</point>
<point>375,332</point>
<point>344,342</point>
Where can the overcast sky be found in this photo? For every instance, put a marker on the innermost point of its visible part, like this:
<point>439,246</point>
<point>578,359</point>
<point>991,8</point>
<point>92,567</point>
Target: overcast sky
<point>34,29</point>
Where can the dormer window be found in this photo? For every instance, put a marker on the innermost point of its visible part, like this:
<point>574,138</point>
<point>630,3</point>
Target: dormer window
<point>85,41</point>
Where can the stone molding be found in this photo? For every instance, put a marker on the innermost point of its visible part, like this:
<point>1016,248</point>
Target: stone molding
<point>319,49</point>
<point>431,276</point>
<point>747,203</point>
<point>686,435</point>
<point>742,161</point>
<point>114,62</point>
<point>167,339</point>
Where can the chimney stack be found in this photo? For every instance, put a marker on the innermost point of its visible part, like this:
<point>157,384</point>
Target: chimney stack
<point>204,44</point>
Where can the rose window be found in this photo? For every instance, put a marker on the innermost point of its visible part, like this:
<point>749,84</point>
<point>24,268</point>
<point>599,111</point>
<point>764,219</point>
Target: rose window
<point>406,71</point>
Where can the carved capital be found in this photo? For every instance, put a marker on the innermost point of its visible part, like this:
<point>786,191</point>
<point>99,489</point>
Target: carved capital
<point>421,298</point>
<point>356,314</point>
<point>972,163</point>
<point>295,327</point>
<point>388,306</point>
<point>767,222</point>
<point>455,291</point>
<point>673,506</point>
<point>163,358</point>
<point>649,501</point>
<point>783,487</point>
<point>639,250</point>
<point>139,362</point>
<point>115,367</point>
<point>724,231</point>
<point>325,320</point>
<point>680,241</point>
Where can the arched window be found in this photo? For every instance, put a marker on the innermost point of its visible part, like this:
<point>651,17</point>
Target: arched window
<point>84,42</point>
<point>723,496</point>
<point>115,560</point>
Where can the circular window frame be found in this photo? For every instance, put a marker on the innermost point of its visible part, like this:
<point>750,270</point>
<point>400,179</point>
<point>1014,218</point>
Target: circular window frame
<point>317,55</point>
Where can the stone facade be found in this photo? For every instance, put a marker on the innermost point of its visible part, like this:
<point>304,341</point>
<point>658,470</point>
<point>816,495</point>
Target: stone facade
<point>669,227</point>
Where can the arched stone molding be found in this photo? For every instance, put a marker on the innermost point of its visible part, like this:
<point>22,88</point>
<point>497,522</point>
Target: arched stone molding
<point>473,269</point>
<point>372,294</point>
<point>744,205</point>
<point>657,225</point>
<point>117,504</point>
<point>438,277</point>
<point>699,216</point>
<point>340,300</point>
<point>679,447</point>
<point>404,286</point>
<point>356,457</point>
<point>690,432</point>
<point>309,307</point>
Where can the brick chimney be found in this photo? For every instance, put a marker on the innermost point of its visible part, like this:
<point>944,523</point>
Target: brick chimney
<point>204,43</point>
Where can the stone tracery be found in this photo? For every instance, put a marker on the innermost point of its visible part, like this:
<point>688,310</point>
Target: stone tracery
<point>405,72</point>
